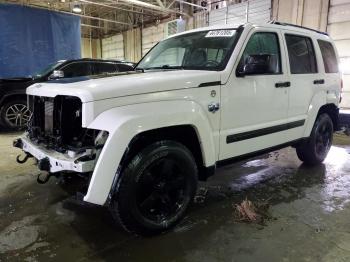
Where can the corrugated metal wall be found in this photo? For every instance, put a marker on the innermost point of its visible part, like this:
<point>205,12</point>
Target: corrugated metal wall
<point>254,11</point>
<point>113,47</point>
<point>339,30</point>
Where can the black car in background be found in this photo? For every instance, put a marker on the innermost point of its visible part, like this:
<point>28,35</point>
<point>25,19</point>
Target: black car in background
<point>14,113</point>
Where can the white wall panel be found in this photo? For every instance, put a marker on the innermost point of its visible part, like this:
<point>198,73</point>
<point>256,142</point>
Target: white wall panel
<point>346,92</point>
<point>132,44</point>
<point>217,17</point>
<point>237,14</point>
<point>339,29</point>
<point>259,11</point>
<point>200,19</point>
<point>113,47</point>
<point>339,13</point>
<point>90,48</point>
<point>151,36</point>
<point>343,47</point>
<point>339,2</point>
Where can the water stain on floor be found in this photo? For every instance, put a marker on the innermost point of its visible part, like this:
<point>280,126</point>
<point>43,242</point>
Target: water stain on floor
<point>310,206</point>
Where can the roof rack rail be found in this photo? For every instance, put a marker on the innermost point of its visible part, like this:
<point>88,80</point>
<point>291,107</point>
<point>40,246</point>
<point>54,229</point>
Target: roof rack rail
<point>298,26</point>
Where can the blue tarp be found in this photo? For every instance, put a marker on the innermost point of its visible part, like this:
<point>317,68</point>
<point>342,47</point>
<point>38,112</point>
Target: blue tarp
<point>32,38</point>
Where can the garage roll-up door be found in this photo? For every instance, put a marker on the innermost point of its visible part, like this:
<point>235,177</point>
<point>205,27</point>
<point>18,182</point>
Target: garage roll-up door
<point>254,11</point>
<point>338,29</point>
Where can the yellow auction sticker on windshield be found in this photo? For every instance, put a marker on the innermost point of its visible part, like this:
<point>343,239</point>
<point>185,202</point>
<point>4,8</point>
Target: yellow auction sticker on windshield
<point>220,33</point>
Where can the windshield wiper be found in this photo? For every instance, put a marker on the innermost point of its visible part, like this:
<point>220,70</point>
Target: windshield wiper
<point>164,67</point>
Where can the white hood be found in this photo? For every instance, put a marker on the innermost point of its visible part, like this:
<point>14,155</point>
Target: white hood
<point>125,84</point>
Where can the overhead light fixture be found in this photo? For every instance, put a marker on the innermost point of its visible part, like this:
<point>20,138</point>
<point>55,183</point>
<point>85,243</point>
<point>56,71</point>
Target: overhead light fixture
<point>76,8</point>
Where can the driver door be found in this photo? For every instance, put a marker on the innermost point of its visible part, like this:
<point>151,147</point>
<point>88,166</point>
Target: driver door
<point>254,107</point>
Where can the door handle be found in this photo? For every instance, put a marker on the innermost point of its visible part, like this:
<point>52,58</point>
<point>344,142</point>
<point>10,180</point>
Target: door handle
<point>213,107</point>
<point>282,84</point>
<point>319,82</point>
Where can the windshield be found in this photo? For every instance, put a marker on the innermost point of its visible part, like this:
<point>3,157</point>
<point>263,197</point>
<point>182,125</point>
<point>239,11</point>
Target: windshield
<point>47,69</point>
<point>205,50</point>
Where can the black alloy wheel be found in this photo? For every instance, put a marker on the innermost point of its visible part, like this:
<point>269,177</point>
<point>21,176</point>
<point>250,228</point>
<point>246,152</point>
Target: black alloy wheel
<point>161,191</point>
<point>156,188</point>
<point>315,149</point>
<point>324,138</point>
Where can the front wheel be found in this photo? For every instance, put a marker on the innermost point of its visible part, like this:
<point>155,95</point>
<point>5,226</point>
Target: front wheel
<point>15,114</point>
<point>155,189</point>
<point>315,149</point>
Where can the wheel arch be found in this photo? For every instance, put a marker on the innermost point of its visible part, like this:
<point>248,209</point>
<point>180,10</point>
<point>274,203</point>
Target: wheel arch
<point>126,125</point>
<point>9,97</point>
<point>333,111</point>
<point>184,134</point>
<point>319,104</point>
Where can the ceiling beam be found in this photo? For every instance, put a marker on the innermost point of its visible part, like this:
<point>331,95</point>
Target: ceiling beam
<point>160,3</point>
<point>81,15</point>
<point>151,6</point>
<point>112,7</point>
<point>187,3</point>
<point>170,5</point>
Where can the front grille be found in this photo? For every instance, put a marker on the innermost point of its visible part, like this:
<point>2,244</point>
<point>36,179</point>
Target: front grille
<point>57,121</point>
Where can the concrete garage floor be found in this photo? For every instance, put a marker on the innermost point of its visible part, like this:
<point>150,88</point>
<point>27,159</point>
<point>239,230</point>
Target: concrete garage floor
<point>310,207</point>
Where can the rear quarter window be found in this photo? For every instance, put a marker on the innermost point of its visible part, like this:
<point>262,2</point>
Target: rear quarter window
<point>328,56</point>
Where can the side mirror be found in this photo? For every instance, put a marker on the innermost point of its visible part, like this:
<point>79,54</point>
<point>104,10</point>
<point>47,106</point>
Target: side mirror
<point>258,65</point>
<point>56,74</point>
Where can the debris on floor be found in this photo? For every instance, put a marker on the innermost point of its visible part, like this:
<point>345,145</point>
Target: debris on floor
<point>201,195</point>
<point>249,212</point>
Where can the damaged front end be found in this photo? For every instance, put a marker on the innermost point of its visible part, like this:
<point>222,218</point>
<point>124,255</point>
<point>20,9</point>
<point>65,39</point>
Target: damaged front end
<point>56,138</point>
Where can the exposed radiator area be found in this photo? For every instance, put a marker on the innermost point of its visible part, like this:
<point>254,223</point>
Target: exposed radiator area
<point>57,123</point>
<point>48,117</point>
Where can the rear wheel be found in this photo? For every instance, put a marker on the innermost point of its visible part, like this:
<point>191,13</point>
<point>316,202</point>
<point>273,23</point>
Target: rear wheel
<point>15,114</point>
<point>155,189</point>
<point>315,149</point>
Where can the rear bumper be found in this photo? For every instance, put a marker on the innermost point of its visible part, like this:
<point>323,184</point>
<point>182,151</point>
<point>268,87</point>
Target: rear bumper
<point>56,162</point>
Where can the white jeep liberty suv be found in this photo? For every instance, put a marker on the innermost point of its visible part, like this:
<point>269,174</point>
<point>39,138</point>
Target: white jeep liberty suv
<point>198,100</point>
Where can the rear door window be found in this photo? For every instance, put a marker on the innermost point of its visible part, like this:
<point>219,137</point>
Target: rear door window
<point>329,57</point>
<point>123,68</point>
<point>301,54</point>
<point>103,68</point>
<point>77,69</point>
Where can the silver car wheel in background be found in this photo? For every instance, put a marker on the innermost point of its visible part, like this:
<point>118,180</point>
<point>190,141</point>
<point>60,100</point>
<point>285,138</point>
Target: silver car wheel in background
<point>17,115</point>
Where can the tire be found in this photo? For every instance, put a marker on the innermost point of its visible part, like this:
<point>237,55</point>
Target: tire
<point>315,149</point>
<point>155,188</point>
<point>14,114</point>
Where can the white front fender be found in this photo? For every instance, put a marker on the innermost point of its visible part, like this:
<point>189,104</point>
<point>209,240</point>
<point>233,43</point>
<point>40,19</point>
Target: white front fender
<point>123,123</point>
